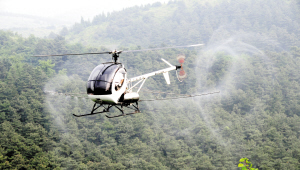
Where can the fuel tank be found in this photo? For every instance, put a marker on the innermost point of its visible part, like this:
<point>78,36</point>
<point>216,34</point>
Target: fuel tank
<point>131,97</point>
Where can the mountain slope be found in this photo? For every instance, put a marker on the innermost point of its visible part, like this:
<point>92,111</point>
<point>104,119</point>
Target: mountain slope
<point>251,55</point>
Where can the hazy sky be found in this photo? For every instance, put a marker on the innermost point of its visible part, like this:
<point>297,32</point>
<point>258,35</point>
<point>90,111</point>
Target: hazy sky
<point>70,10</point>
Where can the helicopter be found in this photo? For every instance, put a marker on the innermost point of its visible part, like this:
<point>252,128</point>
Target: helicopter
<point>108,85</point>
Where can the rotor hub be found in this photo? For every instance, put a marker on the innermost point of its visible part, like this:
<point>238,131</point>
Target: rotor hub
<point>115,55</point>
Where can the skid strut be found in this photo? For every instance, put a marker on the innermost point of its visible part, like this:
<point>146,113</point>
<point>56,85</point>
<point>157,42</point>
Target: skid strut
<point>135,108</point>
<point>95,107</point>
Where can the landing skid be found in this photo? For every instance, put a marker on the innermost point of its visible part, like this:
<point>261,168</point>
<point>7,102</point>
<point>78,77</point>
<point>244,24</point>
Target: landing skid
<point>123,114</point>
<point>106,109</point>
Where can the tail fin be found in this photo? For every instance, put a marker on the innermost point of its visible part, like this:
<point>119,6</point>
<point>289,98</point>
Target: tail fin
<point>166,76</point>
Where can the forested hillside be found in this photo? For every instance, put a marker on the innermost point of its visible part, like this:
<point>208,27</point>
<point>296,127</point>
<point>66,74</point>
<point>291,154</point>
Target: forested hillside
<point>251,55</point>
<point>269,23</point>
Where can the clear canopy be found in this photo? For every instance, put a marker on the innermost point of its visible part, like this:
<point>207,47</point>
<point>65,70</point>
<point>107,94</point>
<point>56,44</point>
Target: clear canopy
<point>101,78</point>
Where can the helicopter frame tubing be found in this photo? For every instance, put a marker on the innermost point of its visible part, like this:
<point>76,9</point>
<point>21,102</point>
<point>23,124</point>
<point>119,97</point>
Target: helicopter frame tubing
<point>95,107</point>
<point>135,108</point>
<point>106,109</point>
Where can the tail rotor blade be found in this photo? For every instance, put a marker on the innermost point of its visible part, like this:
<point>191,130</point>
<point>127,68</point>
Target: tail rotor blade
<point>180,59</point>
<point>182,75</point>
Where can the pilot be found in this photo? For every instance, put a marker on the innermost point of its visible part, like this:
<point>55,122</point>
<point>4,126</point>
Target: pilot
<point>119,81</point>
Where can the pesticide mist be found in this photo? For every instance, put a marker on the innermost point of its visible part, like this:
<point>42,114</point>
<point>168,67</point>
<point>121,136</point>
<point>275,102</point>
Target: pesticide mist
<point>230,64</point>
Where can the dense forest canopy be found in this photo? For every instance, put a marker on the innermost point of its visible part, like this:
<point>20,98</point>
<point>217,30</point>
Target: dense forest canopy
<point>269,23</point>
<point>251,54</point>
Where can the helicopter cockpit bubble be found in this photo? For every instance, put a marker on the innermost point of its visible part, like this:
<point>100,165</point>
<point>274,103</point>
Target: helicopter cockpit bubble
<point>101,78</point>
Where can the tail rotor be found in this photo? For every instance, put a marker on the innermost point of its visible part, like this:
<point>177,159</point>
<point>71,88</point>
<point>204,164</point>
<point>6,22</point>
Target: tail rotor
<point>182,74</point>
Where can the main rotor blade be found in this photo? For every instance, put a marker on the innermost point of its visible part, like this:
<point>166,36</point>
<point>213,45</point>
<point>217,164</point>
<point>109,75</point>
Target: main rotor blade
<point>161,48</point>
<point>51,55</point>
<point>118,52</point>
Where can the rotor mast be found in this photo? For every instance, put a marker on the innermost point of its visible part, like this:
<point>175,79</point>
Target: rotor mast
<point>115,55</point>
